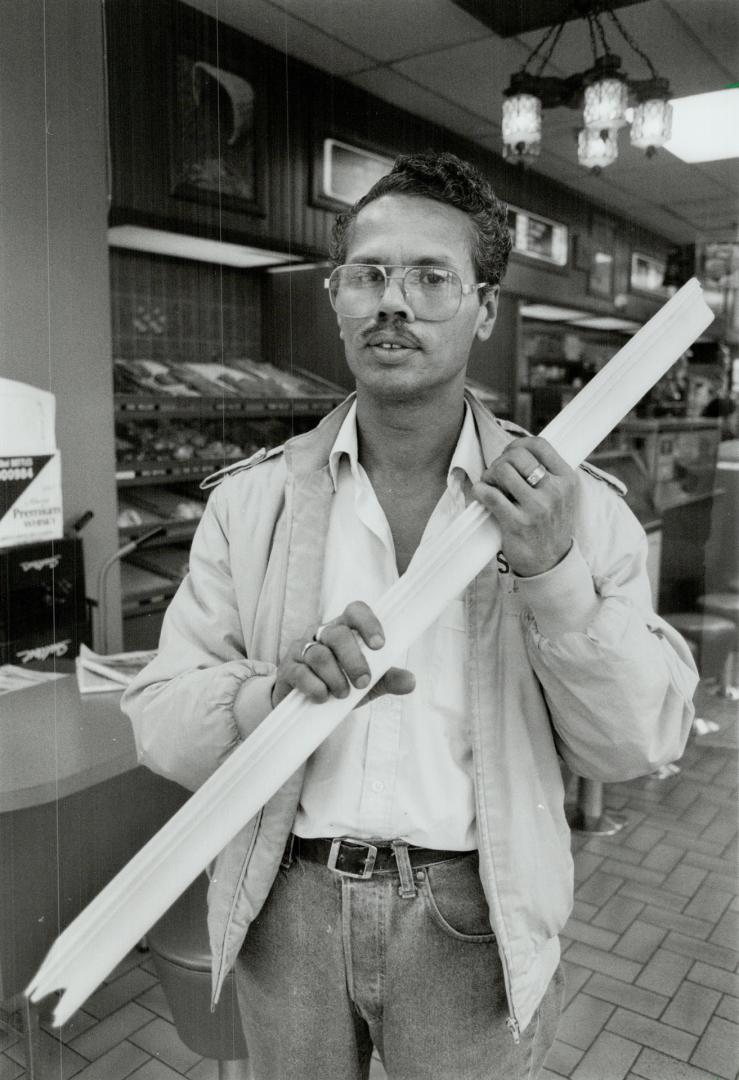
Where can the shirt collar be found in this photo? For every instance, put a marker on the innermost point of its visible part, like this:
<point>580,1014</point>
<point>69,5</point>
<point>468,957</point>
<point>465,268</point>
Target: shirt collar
<point>467,460</point>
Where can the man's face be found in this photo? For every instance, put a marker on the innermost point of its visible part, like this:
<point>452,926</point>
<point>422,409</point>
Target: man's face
<point>393,353</point>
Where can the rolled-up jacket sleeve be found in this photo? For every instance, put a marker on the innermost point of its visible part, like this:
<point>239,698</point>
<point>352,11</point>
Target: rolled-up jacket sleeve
<point>201,695</point>
<point>618,679</point>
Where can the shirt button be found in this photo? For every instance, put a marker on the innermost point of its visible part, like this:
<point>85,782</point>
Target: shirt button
<point>377,785</point>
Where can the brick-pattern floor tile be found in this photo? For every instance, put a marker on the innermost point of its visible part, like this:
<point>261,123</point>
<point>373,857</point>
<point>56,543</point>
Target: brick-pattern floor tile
<point>160,1039</point>
<point>9,1069</point>
<point>728,1007</point>
<point>154,999</point>
<point>691,1008</point>
<point>609,1058</point>
<point>155,1070</point>
<point>644,838</point>
<point>652,895</point>
<point>639,941</point>
<point>717,1050</point>
<point>717,955</point>
<point>618,913</point>
<point>673,920</point>
<point>575,978</point>
<point>664,972</point>
<point>715,978</point>
<point>632,997</point>
<point>114,994</point>
<point>641,1029</point>
<point>116,1064</point>
<point>590,935</point>
<point>685,879</point>
<point>584,912</point>
<point>727,930</point>
<point>651,1065</point>
<point>55,1059</point>
<point>7,1037</point>
<point>583,1021</point>
<point>708,903</point>
<point>607,963</point>
<point>562,1058</point>
<point>113,1029</point>
<point>598,887</point>
<point>665,857</point>
<point>585,865</point>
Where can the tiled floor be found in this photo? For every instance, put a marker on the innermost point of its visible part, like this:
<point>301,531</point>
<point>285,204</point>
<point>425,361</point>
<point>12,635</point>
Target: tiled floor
<point>651,951</point>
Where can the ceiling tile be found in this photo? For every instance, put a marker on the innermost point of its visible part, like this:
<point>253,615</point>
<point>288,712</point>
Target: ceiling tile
<point>390,86</point>
<point>714,24</point>
<point>473,75</point>
<point>263,20</point>
<point>388,29</point>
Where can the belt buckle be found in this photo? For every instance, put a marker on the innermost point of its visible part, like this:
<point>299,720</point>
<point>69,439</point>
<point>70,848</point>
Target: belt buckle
<point>351,842</point>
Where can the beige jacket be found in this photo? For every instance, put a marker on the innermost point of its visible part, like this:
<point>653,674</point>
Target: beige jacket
<point>610,693</point>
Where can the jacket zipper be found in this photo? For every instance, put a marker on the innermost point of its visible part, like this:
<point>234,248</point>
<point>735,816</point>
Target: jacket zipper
<point>247,859</point>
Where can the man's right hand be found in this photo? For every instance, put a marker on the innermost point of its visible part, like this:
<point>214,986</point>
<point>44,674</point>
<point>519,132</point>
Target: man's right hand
<point>329,666</point>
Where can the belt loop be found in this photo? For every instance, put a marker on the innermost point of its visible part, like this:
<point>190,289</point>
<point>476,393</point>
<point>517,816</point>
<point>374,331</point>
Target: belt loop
<point>287,856</point>
<point>407,890</point>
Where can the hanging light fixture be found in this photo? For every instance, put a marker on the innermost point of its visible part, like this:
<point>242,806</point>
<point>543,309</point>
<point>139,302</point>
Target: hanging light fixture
<point>603,92</point>
<point>521,126</point>
<point>596,149</point>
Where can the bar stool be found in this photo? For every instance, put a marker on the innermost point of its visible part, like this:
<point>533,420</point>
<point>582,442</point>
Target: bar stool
<point>711,638</point>
<point>725,605</point>
<point>181,952</point>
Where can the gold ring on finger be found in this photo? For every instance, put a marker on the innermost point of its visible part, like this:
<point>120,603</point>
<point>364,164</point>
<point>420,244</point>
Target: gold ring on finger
<point>536,476</point>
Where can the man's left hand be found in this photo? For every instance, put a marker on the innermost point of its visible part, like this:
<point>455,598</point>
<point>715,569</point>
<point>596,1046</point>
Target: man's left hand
<point>536,522</point>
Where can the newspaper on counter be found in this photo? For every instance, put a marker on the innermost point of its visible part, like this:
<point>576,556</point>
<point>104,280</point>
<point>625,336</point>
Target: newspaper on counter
<point>97,674</point>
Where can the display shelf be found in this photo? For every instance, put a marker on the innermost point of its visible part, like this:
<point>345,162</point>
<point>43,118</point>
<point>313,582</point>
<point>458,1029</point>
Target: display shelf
<point>137,473</point>
<point>153,406</point>
<point>176,532</point>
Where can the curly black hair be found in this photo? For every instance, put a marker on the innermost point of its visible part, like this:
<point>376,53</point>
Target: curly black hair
<point>447,179</point>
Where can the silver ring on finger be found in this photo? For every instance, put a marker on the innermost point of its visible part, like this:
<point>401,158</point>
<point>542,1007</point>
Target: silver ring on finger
<point>319,631</point>
<point>308,645</point>
<point>536,476</point>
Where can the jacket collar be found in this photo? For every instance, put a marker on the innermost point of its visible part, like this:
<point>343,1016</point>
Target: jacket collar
<point>310,452</point>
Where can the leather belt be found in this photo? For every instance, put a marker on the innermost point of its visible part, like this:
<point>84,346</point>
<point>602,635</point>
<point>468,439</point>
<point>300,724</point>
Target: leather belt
<point>352,857</point>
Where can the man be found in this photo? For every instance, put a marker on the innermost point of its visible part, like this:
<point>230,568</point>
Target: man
<point>406,888</point>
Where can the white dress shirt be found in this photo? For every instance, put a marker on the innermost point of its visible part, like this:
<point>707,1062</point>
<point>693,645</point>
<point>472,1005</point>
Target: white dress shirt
<point>399,767</point>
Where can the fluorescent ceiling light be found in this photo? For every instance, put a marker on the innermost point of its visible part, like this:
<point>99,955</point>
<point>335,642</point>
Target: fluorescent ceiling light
<point>161,242</point>
<point>705,127</point>
<point>550,313</point>
<point>607,322</point>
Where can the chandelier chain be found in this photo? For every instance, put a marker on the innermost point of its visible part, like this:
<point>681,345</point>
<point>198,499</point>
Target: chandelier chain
<point>593,43</point>
<point>601,33</point>
<point>547,57</point>
<point>630,41</point>
<point>534,52</point>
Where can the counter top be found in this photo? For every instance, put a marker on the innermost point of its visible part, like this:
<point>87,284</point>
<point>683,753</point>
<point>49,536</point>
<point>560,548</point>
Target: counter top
<point>56,741</point>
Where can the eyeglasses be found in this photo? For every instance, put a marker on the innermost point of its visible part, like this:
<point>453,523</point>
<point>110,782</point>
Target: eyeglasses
<point>433,293</point>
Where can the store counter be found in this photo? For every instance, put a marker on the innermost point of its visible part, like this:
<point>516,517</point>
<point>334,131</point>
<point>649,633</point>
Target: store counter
<point>74,808</point>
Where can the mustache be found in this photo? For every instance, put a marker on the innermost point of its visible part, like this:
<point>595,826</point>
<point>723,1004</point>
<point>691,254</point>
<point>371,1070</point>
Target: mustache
<point>396,331</point>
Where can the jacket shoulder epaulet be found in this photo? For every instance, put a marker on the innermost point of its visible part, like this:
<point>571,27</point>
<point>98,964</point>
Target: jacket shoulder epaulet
<point>592,470</point>
<point>240,466</point>
<point>606,477</point>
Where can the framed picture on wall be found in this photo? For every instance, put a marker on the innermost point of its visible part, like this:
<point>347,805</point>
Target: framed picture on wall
<point>600,274</point>
<point>216,131</point>
<point>538,237</point>
<point>647,274</point>
<point>343,173</point>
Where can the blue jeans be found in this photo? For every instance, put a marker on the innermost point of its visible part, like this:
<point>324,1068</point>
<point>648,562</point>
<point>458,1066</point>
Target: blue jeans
<point>333,966</point>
